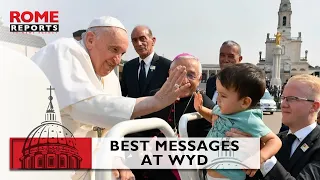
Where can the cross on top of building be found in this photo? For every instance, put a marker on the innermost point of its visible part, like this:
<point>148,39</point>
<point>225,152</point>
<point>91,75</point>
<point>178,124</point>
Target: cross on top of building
<point>50,107</point>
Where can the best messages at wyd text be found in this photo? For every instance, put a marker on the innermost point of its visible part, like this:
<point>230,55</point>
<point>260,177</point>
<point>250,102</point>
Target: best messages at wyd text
<point>174,145</point>
<point>185,153</point>
<point>27,21</point>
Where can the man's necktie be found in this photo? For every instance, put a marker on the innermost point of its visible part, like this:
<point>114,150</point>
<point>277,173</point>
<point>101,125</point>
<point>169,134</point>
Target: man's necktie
<point>290,140</point>
<point>142,76</point>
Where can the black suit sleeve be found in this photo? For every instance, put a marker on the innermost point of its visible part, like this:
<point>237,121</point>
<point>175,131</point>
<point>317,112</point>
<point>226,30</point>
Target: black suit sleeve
<point>207,102</point>
<point>123,83</point>
<point>310,172</point>
<point>211,86</point>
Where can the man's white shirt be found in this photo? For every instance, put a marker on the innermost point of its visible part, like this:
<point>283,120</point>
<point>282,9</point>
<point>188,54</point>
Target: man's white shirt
<point>147,64</point>
<point>215,96</point>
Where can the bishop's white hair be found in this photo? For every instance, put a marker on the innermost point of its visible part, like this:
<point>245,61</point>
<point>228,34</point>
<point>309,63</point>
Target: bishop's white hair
<point>187,57</point>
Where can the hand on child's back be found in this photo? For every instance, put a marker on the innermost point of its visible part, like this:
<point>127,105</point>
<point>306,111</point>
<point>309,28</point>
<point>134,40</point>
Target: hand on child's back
<point>237,133</point>
<point>250,172</point>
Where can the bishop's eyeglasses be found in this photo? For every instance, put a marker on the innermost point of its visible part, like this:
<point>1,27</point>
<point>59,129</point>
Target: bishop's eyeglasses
<point>191,76</point>
<point>294,98</point>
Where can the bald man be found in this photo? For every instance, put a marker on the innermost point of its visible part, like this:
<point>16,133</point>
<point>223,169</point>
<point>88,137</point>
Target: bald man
<point>146,72</point>
<point>230,53</point>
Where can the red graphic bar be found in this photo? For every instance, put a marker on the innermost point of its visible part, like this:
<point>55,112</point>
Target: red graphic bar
<point>50,153</point>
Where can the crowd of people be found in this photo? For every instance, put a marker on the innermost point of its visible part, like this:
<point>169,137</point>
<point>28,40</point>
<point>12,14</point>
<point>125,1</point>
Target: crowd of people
<point>275,91</point>
<point>90,95</point>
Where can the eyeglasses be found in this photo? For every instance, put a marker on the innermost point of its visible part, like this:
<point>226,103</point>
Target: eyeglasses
<point>191,76</point>
<point>294,98</point>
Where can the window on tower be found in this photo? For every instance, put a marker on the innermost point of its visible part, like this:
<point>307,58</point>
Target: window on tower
<point>285,7</point>
<point>284,21</point>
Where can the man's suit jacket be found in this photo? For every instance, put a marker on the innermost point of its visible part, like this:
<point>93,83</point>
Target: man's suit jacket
<point>302,165</point>
<point>155,78</point>
<point>211,86</point>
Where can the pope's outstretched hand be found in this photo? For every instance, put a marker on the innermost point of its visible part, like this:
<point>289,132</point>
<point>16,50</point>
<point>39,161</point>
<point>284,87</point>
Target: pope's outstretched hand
<point>172,88</point>
<point>169,92</point>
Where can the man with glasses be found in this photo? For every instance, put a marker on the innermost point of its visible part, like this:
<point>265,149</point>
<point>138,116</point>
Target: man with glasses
<point>87,88</point>
<point>290,99</point>
<point>299,156</point>
<point>173,113</point>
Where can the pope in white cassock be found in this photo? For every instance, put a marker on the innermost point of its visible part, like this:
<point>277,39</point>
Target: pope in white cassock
<point>87,89</point>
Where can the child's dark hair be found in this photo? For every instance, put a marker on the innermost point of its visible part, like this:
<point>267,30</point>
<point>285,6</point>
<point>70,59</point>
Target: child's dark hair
<point>246,79</point>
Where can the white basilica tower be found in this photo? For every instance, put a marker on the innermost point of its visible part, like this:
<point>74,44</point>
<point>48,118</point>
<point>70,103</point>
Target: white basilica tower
<point>291,62</point>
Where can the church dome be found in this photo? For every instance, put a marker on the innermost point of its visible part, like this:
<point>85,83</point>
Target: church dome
<point>49,133</point>
<point>50,145</point>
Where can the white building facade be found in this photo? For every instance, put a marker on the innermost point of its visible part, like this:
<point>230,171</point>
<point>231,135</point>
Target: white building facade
<point>209,70</point>
<point>291,61</point>
<point>27,44</point>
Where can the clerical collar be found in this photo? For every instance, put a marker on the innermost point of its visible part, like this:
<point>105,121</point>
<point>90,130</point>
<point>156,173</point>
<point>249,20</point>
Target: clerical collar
<point>148,59</point>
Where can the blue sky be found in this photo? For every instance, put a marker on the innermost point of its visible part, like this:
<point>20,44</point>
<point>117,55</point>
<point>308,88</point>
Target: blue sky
<point>198,27</point>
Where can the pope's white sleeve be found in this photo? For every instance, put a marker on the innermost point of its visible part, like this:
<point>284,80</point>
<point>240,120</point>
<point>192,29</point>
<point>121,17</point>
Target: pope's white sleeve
<point>103,110</point>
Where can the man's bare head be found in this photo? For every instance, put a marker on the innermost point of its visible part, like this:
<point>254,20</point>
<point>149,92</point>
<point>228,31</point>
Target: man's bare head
<point>106,40</point>
<point>193,68</point>
<point>105,46</point>
<point>230,53</point>
<point>301,101</point>
<point>143,41</point>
